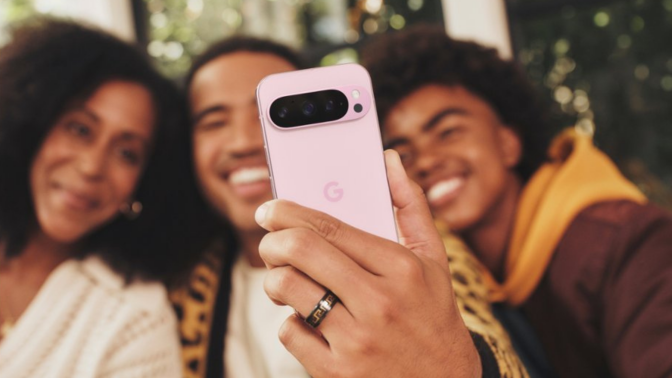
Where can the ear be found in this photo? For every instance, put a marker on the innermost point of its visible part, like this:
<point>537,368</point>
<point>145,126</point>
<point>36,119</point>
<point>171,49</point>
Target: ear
<point>510,146</point>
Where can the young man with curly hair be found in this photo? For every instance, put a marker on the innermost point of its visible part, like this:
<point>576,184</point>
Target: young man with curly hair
<point>563,238</point>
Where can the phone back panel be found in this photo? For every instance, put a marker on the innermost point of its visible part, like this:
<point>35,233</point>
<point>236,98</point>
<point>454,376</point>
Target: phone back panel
<point>337,168</point>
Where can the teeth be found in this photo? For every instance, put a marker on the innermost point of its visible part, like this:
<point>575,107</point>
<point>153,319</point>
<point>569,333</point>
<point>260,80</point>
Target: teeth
<point>248,175</point>
<point>444,187</point>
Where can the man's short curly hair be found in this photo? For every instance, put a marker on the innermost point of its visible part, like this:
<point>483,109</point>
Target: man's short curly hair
<point>403,62</point>
<point>240,43</point>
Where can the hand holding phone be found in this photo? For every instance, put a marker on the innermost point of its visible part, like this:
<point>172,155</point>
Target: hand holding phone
<point>397,317</point>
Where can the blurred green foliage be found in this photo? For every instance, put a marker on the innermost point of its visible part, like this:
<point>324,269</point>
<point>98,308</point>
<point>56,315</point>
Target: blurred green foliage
<point>13,11</point>
<point>608,67</point>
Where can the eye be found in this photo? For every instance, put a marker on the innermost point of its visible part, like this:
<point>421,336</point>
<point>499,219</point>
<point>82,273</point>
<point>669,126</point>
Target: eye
<point>79,129</point>
<point>130,156</point>
<point>446,133</point>
<point>211,125</point>
<point>406,157</point>
<point>451,132</point>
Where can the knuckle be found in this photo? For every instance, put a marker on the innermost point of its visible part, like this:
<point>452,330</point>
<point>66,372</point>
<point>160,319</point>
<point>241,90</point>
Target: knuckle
<point>364,343</point>
<point>417,189</point>
<point>266,245</point>
<point>286,335</point>
<point>271,285</point>
<point>409,269</point>
<point>284,247</point>
<point>386,310</point>
<point>279,281</point>
<point>329,228</point>
<point>297,241</point>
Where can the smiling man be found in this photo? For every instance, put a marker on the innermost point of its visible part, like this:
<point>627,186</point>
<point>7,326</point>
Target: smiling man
<point>217,309</point>
<point>566,242</point>
<point>228,143</point>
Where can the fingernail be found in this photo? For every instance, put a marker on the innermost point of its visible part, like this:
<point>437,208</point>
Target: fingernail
<point>394,155</point>
<point>260,214</point>
<point>395,160</point>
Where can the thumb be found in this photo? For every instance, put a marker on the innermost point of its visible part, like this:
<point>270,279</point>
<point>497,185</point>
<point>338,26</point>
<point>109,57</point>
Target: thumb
<point>415,225</point>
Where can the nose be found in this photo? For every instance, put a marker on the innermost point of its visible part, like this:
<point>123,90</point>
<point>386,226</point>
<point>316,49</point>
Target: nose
<point>247,137</point>
<point>92,162</point>
<point>426,162</point>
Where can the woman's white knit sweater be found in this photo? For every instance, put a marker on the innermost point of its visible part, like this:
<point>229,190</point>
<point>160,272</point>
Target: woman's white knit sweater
<point>84,322</point>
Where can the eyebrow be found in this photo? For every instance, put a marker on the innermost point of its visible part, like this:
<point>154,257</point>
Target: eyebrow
<point>209,110</point>
<point>429,125</point>
<point>87,112</point>
<point>447,112</point>
<point>396,142</point>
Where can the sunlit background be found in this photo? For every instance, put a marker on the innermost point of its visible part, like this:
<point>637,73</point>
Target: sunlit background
<point>602,65</point>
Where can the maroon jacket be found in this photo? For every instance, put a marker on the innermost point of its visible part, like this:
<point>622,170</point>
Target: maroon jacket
<point>604,306</point>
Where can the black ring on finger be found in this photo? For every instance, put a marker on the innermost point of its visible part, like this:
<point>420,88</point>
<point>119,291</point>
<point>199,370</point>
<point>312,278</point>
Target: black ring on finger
<point>328,301</point>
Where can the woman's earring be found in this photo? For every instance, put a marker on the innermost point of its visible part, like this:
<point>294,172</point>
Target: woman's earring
<point>131,210</point>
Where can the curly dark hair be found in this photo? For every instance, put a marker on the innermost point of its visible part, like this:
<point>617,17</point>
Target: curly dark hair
<point>402,62</point>
<point>48,66</point>
<point>248,44</point>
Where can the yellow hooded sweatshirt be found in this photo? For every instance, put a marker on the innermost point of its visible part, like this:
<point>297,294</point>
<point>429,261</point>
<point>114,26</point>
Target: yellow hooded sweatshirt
<point>577,176</point>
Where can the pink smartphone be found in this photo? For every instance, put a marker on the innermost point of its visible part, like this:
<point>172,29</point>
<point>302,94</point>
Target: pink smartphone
<point>323,145</point>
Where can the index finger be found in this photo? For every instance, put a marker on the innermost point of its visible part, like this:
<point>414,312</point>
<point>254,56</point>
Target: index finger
<point>371,252</point>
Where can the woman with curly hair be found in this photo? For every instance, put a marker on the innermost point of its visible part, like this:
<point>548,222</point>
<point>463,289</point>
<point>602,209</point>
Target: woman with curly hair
<point>93,191</point>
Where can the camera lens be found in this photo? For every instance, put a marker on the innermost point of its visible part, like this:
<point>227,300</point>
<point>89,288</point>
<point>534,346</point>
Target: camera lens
<point>308,108</point>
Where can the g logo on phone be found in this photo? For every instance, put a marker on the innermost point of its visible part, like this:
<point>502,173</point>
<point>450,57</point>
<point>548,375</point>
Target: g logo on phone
<point>332,192</point>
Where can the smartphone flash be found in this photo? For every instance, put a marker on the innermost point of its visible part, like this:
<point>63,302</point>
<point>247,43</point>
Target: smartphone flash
<point>355,94</point>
